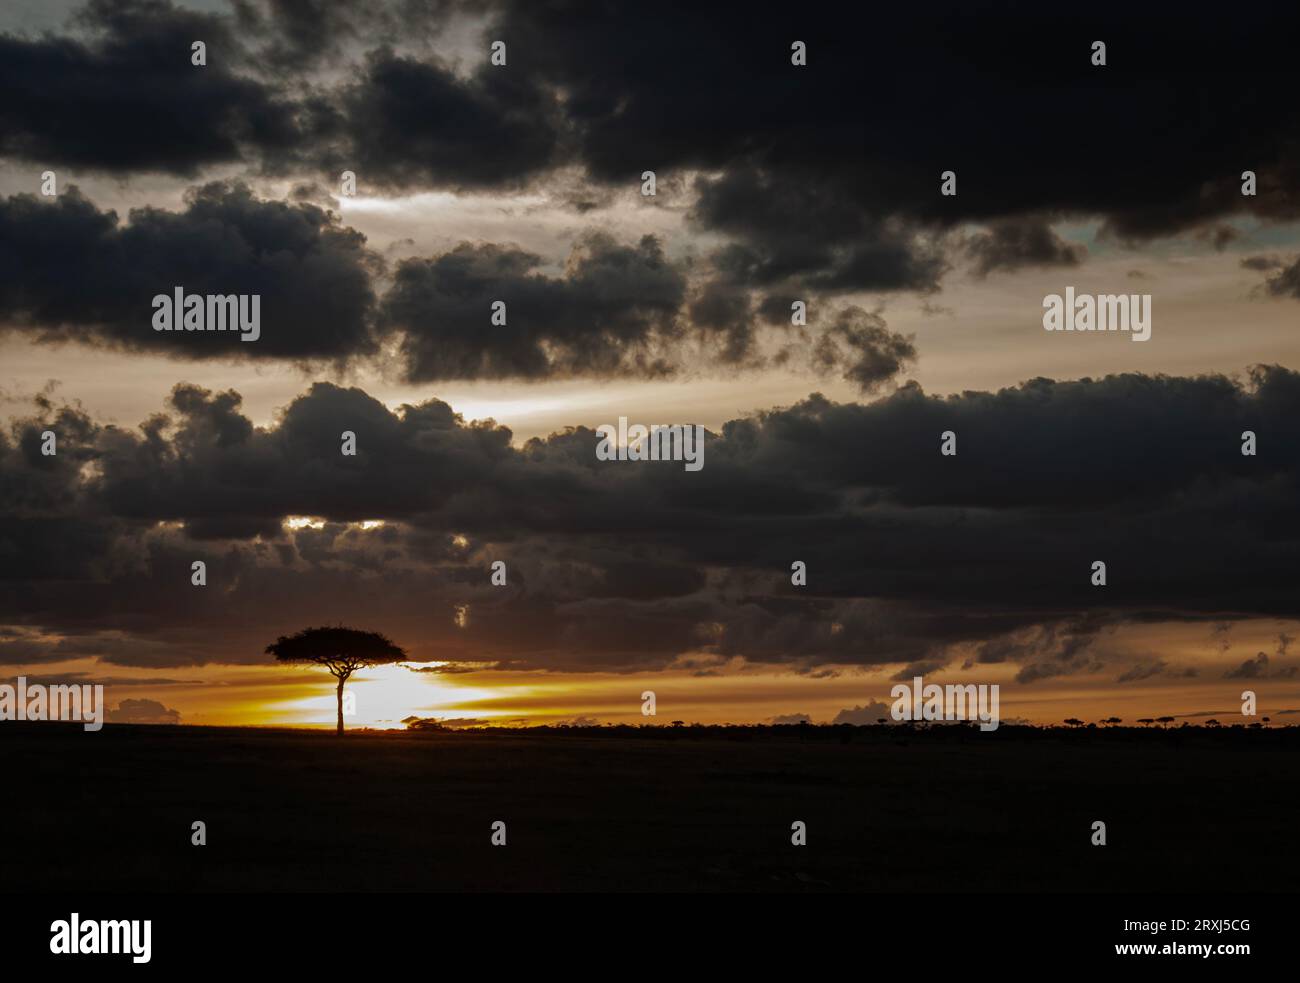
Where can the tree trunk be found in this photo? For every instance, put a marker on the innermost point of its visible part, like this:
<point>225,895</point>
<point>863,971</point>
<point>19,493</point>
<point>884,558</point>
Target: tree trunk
<point>342,680</point>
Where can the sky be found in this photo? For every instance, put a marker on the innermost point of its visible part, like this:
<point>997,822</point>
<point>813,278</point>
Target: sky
<point>820,183</point>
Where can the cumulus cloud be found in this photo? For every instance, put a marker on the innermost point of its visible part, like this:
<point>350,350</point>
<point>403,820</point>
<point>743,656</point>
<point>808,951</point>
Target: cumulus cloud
<point>312,274</point>
<point>614,311</point>
<point>791,718</point>
<point>871,712</point>
<point>143,712</point>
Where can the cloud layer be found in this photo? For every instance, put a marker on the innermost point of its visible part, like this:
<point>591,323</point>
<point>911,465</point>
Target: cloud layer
<point>913,557</point>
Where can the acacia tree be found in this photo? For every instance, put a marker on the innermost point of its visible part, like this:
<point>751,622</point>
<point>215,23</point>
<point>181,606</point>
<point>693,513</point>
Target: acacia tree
<point>341,650</point>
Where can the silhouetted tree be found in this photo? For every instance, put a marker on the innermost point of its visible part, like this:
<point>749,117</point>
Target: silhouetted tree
<point>1146,720</point>
<point>1113,720</point>
<point>1165,720</point>
<point>1211,723</point>
<point>341,650</point>
<point>1074,722</point>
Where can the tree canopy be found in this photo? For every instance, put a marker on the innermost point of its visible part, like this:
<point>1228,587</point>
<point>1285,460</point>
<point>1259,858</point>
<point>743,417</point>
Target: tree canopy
<point>341,650</point>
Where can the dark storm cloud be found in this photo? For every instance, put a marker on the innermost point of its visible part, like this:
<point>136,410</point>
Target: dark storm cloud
<point>912,557</point>
<point>294,35</point>
<point>1283,281</point>
<point>409,124</point>
<point>34,483</point>
<point>884,104</point>
<point>868,352</point>
<point>211,464</point>
<point>69,271</point>
<point>723,308</point>
<point>821,178</point>
<point>300,31</point>
<point>613,311</point>
<point>122,95</point>
<point>1014,244</point>
<point>831,171</point>
<point>118,92</point>
<point>800,235</point>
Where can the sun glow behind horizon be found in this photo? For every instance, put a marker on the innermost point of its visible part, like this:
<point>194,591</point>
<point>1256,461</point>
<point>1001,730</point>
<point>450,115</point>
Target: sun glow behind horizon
<point>1199,676</point>
<point>383,696</point>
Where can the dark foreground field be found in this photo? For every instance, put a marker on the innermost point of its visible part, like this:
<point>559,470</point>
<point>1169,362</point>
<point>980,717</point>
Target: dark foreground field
<point>292,810</point>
